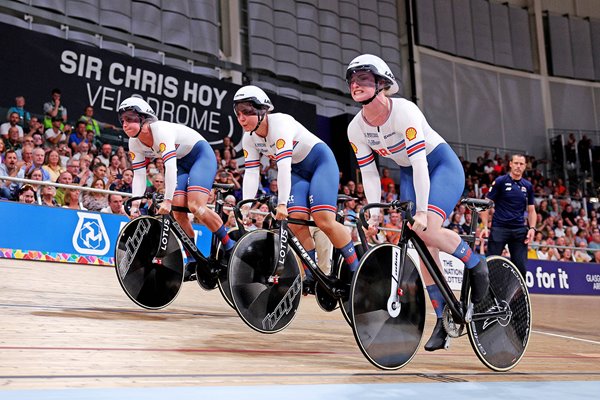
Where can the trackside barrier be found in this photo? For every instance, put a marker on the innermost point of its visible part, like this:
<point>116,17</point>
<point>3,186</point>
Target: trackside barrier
<point>43,233</point>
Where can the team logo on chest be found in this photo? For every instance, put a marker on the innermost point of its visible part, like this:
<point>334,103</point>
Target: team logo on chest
<point>279,144</point>
<point>162,147</point>
<point>411,133</point>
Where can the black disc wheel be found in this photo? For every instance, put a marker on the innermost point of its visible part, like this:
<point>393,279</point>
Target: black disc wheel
<point>265,291</point>
<point>149,284</point>
<point>222,275</point>
<point>388,335</point>
<point>501,326</point>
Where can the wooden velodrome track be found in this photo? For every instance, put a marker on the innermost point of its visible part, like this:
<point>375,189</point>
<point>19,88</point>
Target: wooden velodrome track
<point>71,326</point>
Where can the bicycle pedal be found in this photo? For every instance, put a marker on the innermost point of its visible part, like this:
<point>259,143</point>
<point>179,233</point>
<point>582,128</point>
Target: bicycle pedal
<point>447,343</point>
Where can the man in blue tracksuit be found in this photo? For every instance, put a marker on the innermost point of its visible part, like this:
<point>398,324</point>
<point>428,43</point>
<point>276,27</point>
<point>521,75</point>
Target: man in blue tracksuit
<point>512,195</point>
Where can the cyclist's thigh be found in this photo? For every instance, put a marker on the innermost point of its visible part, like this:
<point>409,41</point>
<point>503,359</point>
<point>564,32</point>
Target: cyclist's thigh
<point>204,168</point>
<point>298,200</point>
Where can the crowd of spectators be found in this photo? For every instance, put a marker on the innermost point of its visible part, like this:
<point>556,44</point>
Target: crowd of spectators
<point>51,147</point>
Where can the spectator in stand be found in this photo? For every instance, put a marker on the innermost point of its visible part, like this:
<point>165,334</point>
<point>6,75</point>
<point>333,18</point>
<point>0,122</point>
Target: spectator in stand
<point>567,256</point>
<point>35,175</point>
<point>93,141</point>
<point>114,171</point>
<point>227,145</point>
<point>160,165</point>
<point>37,162</point>
<point>560,189</point>
<point>349,211</point>
<point>26,156</point>
<point>596,257</point>
<point>559,230</point>
<point>19,108</point>
<point>385,179</point>
<point>82,149</point>
<point>65,152</point>
<point>352,187</point>
<point>158,184</point>
<point>38,140</point>
<point>95,201</point>
<point>594,244</point>
<point>65,178</point>
<point>115,205</point>
<point>47,196</point>
<point>105,154</point>
<point>53,165</point>
<point>569,215</point>
<point>71,199</point>
<point>13,121</point>
<point>9,168</point>
<point>455,224</point>
<point>54,109</point>
<point>125,160</point>
<point>544,253</point>
<point>94,125</point>
<point>513,196</point>
<point>395,223</point>
<point>570,151</point>
<point>581,255</point>
<point>35,126</point>
<point>583,149</point>
<point>273,189</point>
<point>54,134</point>
<point>98,172</point>
<point>78,136</point>
<point>73,168</point>
<point>27,195</point>
<point>84,169</point>
<point>123,184</point>
<point>12,141</point>
<point>360,194</point>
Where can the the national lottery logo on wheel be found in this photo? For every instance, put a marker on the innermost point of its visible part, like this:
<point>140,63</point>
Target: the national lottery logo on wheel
<point>90,235</point>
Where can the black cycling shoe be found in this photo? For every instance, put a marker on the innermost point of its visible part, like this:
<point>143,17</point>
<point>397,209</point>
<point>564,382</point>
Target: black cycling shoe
<point>480,281</point>
<point>308,286</point>
<point>189,273</point>
<point>438,337</point>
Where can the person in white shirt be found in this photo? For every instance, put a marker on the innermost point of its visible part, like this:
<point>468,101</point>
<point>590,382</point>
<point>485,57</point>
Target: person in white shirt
<point>431,173</point>
<point>190,168</point>
<point>307,172</point>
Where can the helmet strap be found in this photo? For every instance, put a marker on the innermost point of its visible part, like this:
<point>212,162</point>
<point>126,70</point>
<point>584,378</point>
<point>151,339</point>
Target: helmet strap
<point>377,91</point>
<point>261,115</point>
<point>143,121</point>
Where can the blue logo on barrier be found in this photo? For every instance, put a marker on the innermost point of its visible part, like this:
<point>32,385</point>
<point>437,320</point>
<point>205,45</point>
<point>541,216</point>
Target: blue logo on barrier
<point>90,235</point>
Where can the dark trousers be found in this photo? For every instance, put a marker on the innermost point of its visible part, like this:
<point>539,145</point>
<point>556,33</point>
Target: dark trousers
<point>514,238</point>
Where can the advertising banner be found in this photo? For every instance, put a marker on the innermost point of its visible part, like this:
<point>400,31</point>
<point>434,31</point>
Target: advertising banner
<point>102,78</point>
<point>63,235</point>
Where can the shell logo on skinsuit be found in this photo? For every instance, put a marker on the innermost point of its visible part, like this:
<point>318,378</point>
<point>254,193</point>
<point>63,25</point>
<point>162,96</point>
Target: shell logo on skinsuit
<point>132,155</point>
<point>162,147</point>
<point>279,144</point>
<point>354,148</point>
<point>411,133</point>
<point>245,154</point>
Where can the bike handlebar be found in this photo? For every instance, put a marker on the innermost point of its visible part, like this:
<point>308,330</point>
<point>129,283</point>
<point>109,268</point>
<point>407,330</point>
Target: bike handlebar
<point>404,206</point>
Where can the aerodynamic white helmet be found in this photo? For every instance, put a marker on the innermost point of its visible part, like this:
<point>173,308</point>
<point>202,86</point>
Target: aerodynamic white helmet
<point>374,64</point>
<point>254,95</point>
<point>139,106</point>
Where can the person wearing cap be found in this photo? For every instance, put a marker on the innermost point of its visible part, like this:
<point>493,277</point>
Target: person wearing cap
<point>307,172</point>
<point>190,168</point>
<point>431,173</point>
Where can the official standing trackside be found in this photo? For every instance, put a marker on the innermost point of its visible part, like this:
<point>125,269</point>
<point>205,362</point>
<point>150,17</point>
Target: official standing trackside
<point>512,195</point>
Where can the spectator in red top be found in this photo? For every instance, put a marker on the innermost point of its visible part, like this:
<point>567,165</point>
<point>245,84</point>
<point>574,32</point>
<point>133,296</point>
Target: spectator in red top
<point>386,180</point>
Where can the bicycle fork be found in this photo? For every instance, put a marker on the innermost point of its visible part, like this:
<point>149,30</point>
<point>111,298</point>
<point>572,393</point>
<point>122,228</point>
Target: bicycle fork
<point>394,305</point>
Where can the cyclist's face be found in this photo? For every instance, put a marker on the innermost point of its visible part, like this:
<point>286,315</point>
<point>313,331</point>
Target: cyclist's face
<point>131,122</point>
<point>362,85</point>
<point>246,115</point>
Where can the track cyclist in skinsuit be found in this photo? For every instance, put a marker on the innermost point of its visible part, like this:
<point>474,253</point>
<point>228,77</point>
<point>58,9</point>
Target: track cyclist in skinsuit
<point>190,168</point>
<point>431,173</point>
<point>307,175</point>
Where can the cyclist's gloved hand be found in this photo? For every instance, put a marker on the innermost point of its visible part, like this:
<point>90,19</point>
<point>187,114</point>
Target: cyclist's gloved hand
<point>165,207</point>
<point>420,221</point>
<point>282,212</point>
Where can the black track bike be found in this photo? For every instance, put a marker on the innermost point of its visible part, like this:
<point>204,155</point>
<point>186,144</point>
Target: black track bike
<point>265,278</point>
<point>388,302</point>
<point>149,258</point>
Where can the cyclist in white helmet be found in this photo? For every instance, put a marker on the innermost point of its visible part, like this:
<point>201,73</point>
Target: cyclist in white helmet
<point>307,175</point>
<point>190,168</point>
<point>431,173</point>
